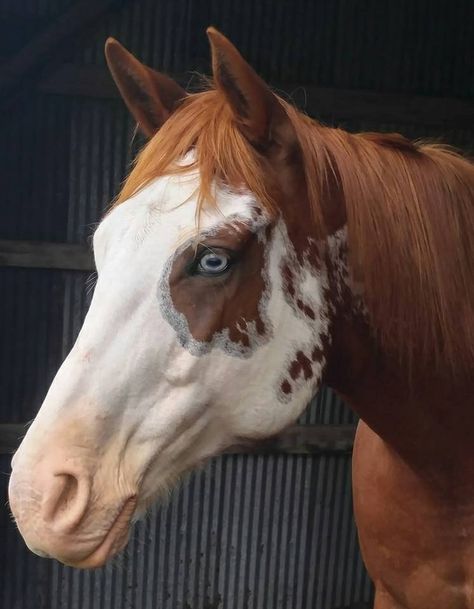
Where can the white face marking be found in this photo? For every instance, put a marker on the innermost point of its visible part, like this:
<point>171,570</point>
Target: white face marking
<point>139,400</point>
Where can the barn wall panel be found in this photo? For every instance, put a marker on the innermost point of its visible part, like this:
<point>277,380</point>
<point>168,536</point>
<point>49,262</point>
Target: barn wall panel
<point>245,532</point>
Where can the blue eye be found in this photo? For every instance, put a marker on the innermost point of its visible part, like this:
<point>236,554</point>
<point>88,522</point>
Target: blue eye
<point>212,263</point>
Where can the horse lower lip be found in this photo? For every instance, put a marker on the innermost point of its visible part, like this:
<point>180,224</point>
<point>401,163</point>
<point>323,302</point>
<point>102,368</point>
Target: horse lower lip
<point>114,540</point>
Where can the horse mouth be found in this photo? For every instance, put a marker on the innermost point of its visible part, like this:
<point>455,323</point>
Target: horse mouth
<point>114,541</point>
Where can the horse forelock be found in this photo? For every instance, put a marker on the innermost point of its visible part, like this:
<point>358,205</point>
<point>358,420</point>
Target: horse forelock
<point>408,207</point>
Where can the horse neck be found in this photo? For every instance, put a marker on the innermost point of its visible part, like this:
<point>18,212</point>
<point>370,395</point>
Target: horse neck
<point>424,417</point>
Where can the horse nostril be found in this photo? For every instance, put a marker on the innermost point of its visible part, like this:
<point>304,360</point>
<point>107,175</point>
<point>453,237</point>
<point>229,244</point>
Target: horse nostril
<point>69,491</point>
<point>65,500</point>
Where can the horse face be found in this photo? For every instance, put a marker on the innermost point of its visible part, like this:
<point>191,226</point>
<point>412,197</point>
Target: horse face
<point>193,342</point>
<point>198,337</point>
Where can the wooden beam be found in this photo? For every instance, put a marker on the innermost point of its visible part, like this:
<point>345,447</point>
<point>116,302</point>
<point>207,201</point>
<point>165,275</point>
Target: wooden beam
<point>45,255</point>
<point>343,104</point>
<point>40,48</point>
<point>331,105</point>
<point>80,81</point>
<point>90,81</point>
<point>297,440</point>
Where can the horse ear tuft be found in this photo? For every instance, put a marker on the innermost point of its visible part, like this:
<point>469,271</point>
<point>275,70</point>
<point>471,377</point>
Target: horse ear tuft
<point>150,96</point>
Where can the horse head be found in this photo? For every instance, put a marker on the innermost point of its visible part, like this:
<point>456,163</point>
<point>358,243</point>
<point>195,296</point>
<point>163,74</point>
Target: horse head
<point>210,320</point>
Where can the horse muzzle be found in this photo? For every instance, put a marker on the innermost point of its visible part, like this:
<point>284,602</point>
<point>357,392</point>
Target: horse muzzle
<point>60,516</point>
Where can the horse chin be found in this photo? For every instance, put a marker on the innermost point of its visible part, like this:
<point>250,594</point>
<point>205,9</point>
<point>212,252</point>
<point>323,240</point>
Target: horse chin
<point>114,541</point>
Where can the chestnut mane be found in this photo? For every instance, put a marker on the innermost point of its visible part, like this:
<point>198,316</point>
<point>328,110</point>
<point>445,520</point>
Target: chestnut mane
<point>409,208</point>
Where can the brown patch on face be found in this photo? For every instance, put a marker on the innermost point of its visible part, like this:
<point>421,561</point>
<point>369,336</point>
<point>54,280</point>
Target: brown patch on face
<point>306,362</point>
<point>288,278</point>
<point>301,366</point>
<point>293,295</point>
<point>301,369</point>
<point>317,354</point>
<point>306,309</point>
<point>230,303</point>
<point>312,254</point>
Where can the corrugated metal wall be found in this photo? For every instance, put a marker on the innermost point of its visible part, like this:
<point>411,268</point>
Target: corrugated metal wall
<point>266,532</point>
<point>246,532</point>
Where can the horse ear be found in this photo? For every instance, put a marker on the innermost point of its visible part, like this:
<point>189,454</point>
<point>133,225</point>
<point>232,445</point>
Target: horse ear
<point>256,109</point>
<point>150,96</point>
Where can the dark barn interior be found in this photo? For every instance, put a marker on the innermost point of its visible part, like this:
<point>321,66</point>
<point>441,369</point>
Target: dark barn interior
<point>269,530</point>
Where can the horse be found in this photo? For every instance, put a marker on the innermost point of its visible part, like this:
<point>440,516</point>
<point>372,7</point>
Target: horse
<point>251,255</point>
